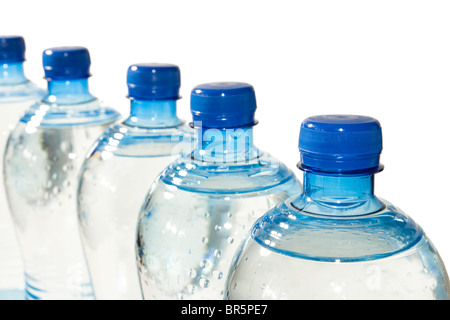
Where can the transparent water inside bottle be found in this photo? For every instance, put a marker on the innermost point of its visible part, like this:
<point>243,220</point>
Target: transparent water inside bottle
<point>42,162</point>
<point>114,181</point>
<point>195,217</point>
<point>319,247</point>
<point>14,100</point>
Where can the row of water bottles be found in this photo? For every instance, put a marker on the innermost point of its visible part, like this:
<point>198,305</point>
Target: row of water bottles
<point>94,206</point>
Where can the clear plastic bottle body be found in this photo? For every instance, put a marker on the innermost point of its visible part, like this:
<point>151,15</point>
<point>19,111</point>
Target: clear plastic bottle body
<point>351,245</point>
<point>15,98</point>
<point>197,213</point>
<point>114,181</point>
<point>42,162</point>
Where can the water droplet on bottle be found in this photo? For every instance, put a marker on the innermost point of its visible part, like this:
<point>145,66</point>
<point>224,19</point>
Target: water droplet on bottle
<point>191,289</point>
<point>204,283</point>
<point>64,146</point>
<point>217,274</point>
<point>205,264</point>
<point>192,273</point>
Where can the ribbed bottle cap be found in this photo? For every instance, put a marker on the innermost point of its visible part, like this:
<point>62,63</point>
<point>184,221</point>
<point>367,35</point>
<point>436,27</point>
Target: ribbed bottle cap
<point>224,105</point>
<point>153,81</point>
<point>340,144</point>
<point>66,63</point>
<point>12,49</point>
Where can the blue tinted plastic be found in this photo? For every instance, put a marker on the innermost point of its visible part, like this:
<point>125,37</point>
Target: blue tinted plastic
<point>66,63</point>
<point>201,207</point>
<point>12,74</point>
<point>337,240</point>
<point>114,180</point>
<point>224,105</point>
<point>43,157</point>
<point>16,94</point>
<point>153,81</point>
<point>321,150</point>
<point>12,49</point>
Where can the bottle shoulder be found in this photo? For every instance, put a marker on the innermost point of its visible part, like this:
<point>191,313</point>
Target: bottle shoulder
<point>297,233</point>
<point>46,114</point>
<point>20,92</point>
<point>124,140</point>
<point>253,175</point>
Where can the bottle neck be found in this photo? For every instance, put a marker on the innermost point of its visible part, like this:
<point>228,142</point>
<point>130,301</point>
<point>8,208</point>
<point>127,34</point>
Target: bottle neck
<point>224,145</point>
<point>12,73</point>
<point>338,195</point>
<point>153,114</point>
<point>68,92</point>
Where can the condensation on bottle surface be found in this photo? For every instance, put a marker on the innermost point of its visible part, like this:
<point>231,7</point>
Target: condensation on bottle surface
<point>42,162</point>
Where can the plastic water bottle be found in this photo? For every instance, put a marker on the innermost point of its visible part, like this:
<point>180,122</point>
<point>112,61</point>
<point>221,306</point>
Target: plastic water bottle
<point>120,170</point>
<point>203,204</point>
<point>16,94</point>
<point>42,162</point>
<point>337,240</point>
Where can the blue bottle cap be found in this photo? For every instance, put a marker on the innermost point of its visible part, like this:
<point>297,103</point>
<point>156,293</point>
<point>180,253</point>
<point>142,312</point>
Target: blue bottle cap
<point>66,63</point>
<point>340,144</point>
<point>12,49</point>
<point>153,81</point>
<point>224,105</point>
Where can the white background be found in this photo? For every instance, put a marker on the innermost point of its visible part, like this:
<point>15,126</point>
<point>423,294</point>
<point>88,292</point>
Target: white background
<point>384,58</point>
